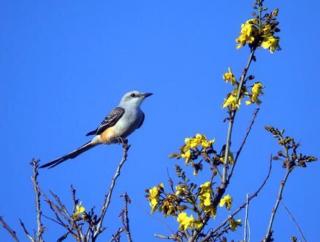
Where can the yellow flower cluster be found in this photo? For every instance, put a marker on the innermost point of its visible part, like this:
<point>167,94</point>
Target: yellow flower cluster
<point>232,102</point>
<point>234,223</point>
<point>205,197</point>
<point>226,201</point>
<point>181,190</point>
<point>187,222</point>
<point>229,76</point>
<point>269,41</point>
<point>79,212</point>
<point>199,140</point>
<point>256,91</point>
<point>253,33</point>
<point>153,196</point>
<point>248,33</point>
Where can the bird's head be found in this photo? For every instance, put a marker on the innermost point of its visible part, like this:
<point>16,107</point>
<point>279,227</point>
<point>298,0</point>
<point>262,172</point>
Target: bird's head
<point>134,98</point>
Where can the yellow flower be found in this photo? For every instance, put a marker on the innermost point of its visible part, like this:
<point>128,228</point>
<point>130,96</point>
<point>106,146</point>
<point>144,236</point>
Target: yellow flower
<point>226,201</point>
<point>256,91</point>
<point>153,196</point>
<point>205,197</point>
<point>207,143</point>
<point>181,190</point>
<point>192,143</point>
<point>230,159</point>
<point>266,29</point>
<point>187,222</point>
<point>229,76</point>
<point>248,33</point>
<point>271,43</point>
<point>79,211</point>
<point>187,156</point>
<point>231,101</point>
<point>234,223</point>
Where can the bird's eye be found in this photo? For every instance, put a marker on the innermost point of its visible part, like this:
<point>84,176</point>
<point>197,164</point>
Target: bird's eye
<point>133,95</point>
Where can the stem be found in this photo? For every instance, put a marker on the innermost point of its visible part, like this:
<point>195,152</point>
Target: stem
<point>12,233</point>
<point>245,234</point>
<point>275,208</point>
<point>34,178</point>
<point>232,119</point>
<point>225,181</point>
<point>107,200</point>
<point>126,217</point>
<point>295,222</point>
<point>243,142</point>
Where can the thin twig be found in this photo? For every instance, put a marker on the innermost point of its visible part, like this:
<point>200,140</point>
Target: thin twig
<point>245,229</point>
<point>254,116</point>
<point>63,237</point>
<point>125,217</point>
<point>107,200</point>
<point>116,236</point>
<point>255,194</point>
<point>36,188</point>
<point>26,231</point>
<point>59,212</point>
<point>249,231</point>
<point>168,237</point>
<point>268,236</point>
<point>12,233</point>
<point>62,208</point>
<point>295,222</point>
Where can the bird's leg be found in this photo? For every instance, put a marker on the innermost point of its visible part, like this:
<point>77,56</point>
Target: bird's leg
<point>122,141</point>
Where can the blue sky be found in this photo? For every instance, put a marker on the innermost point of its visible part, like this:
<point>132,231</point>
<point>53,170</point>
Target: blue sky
<point>65,64</point>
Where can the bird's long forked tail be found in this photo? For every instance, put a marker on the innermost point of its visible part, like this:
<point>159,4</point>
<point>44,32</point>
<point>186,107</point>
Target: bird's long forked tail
<point>68,156</point>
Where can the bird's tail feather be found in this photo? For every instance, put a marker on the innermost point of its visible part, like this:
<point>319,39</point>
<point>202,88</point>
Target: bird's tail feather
<point>70,155</point>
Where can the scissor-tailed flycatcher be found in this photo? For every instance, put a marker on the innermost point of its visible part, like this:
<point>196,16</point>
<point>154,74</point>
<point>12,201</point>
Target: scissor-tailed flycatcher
<point>120,123</point>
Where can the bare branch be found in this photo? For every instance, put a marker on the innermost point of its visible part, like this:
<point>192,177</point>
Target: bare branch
<point>245,229</point>
<point>37,193</point>
<point>268,236</point>
<point>26,231</point>
<point>59,220</point>
<point>254,116</point>
<point>63,237</point>
<point>295,222</point>
<point>107,200</point>
<point>12,233</point>
<point>125,216</point>
<point>61,208</point>
<point>173,237</point>
<point>116,236</point>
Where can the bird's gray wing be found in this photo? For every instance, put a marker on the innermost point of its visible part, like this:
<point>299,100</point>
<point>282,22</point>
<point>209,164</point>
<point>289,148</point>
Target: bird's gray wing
<point>108,121</point>
<point>141,122</point>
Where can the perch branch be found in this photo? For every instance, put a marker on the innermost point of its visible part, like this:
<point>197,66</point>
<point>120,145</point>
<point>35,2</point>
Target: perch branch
<point>107,200</point>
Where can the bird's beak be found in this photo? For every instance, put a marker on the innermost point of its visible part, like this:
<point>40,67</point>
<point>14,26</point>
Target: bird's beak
<point>147,94</point>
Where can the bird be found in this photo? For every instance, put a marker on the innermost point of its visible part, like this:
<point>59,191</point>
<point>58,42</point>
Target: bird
<point>115,127</point>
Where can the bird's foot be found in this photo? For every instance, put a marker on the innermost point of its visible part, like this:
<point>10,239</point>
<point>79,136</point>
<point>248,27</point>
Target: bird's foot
<point>122,141</point>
